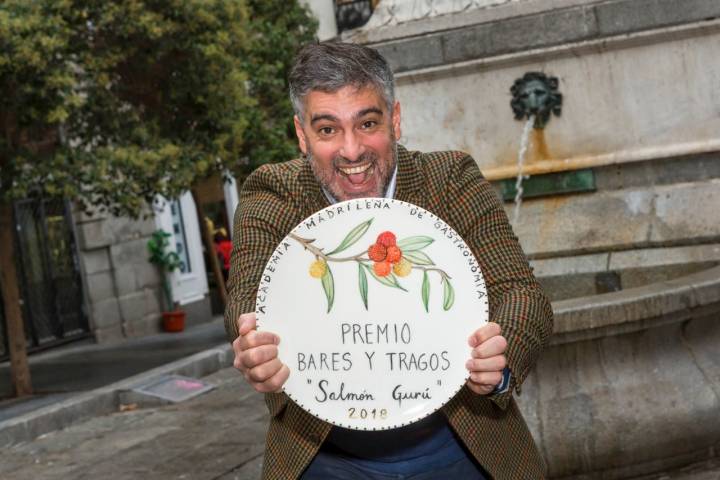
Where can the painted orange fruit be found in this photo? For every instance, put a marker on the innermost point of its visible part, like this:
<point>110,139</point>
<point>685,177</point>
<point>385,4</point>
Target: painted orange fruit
<point>382,269</point>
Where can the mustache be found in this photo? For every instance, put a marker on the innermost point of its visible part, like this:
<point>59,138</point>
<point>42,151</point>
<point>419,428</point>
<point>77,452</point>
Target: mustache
<point>342,162</point>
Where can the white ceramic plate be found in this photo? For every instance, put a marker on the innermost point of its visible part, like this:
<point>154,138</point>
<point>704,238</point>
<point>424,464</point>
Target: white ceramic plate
<point>370,351</point>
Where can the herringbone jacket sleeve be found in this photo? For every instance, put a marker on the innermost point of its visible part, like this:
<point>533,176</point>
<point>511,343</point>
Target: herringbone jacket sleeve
<point>517,302</point>
<point>260,223</point>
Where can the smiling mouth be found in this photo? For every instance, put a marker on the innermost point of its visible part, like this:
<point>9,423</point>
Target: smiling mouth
<point>359,174</point>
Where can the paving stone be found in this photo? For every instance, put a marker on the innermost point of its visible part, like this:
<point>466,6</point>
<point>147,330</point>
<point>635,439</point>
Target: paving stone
<point>111,334</point>
<point>95,234</point>
<point>125,279</point>
<point>132,306</point>
<point>146,274</point>
<point>129,252</point>
<point>153,301</point>
<point>146,325</point>
<point>615,18</point>
<point>95,261</point>
<point>106,313</point>
<point>100,286</point>
<point>652,216</point>
<point>414,53</point>
<point>205,438</point>
<point>687,209</point>
<point>126,229</point>
<point>661,257</point>
<point>592,263</point>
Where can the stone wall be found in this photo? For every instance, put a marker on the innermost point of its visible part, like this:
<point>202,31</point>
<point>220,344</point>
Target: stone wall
<point>639,83</point>
<point>122,289</point>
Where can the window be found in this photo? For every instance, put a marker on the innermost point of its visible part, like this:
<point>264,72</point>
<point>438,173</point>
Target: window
<point>181,244</point>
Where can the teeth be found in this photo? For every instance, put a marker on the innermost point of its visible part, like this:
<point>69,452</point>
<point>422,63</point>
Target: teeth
<point>355,170</point>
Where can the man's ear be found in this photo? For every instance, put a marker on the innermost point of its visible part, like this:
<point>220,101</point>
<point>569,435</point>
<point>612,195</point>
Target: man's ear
<point>302,142</point>
<point>396,120</point>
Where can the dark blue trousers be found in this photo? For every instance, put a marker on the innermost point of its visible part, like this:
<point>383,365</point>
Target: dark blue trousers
<point>328,466</point>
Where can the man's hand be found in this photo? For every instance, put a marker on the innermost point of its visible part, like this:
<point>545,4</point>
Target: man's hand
<point>488,359</point>
<point>256,356</point>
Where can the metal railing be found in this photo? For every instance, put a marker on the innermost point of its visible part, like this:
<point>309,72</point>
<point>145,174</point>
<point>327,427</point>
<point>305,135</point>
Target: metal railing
<point>48,274</point>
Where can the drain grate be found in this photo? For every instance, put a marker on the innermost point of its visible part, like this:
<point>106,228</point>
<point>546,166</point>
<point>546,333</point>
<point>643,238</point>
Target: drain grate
<point>174,388</point>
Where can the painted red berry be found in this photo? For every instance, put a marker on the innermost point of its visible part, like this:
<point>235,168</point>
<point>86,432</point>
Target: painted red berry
<point>386,239</point>
<point>394,254</point>
<point>382,269</point>
<point>377,252</point>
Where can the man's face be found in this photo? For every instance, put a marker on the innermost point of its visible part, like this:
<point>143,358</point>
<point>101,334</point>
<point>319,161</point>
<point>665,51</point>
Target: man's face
<point>349,137</point>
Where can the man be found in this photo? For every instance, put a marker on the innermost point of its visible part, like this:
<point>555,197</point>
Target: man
<point>347,123</point>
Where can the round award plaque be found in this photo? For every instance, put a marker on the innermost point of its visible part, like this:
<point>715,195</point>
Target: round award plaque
<point>374,301</point>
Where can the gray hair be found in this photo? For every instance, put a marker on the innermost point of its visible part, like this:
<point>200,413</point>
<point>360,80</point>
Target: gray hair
<point>330,66</point>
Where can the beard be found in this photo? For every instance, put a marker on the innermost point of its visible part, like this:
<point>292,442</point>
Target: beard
<point>383,172</point>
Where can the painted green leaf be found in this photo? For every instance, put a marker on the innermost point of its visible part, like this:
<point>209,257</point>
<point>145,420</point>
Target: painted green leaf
<point>329,286</point>
<point>389,281</point>
<point>363,284</point>
<point>426,291</point>
<point>411,244</point>
<point>448,295</point>
<point>352,237</point>
<point>418,258</point>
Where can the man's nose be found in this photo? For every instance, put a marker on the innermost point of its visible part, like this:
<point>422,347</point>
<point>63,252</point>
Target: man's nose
<point>352,147</point>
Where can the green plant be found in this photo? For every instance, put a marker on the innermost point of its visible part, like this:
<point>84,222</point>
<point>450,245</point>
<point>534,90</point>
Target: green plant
<point>114,103</point>
<point>102,100</point>
<point>166,261</point>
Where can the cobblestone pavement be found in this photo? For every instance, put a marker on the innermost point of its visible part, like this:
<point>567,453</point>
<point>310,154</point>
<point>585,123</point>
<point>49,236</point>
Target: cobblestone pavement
<point>217,436</point>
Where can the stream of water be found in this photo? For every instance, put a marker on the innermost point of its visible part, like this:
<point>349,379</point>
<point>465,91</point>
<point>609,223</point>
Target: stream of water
<point>524,144</point>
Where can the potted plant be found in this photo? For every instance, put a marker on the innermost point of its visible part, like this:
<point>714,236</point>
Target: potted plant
<point>167,262</point>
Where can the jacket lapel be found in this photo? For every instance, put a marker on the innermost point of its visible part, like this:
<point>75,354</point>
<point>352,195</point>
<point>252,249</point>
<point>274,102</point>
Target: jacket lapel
<point>313,197</point>
<point>409,178</point>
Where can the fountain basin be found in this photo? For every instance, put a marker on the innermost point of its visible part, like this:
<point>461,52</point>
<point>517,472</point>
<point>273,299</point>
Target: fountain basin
<point>630,383</point>
<point>597,273</point>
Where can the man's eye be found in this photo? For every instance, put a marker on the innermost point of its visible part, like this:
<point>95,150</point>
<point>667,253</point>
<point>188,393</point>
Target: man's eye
<point>326,131</point>
<point>369,124</point>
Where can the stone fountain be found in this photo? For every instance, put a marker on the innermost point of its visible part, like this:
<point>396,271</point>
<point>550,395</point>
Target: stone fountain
<point>621,209</point>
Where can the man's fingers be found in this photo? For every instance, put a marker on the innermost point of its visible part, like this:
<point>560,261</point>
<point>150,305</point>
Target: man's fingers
<point>265,371</point>
<point>255,356</point>
<point>246,322</point>
<point>255,339</point>
<point>488,379</point>
<point>237,361</point>
<point>236,346</point>
<point>274,383</point>
<point>490,347</point>
<point>484,333</point>
<point>492,364</point>
<point>479,389</point>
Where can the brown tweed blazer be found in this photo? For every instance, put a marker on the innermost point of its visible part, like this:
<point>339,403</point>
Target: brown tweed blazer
<point>275,198</point>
